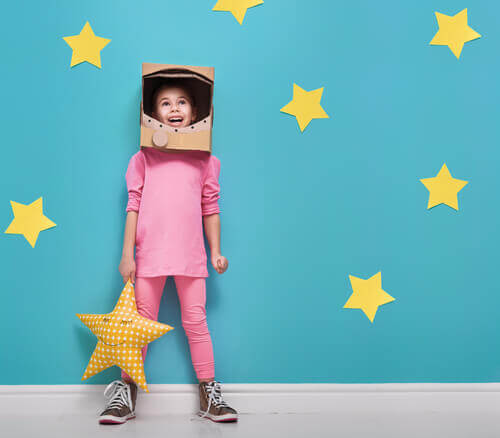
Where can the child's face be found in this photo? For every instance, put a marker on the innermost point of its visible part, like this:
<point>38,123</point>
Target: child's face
<point>174,108</point>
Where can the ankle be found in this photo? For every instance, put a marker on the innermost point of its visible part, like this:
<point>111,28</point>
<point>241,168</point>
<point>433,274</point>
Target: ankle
<point>206,380</point>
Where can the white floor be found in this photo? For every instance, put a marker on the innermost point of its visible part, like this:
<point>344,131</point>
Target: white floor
<point>266,410</point>
<point>362,424</point>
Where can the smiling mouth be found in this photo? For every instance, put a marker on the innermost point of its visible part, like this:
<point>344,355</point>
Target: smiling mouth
<point>175,120</point>
<point>112,345</point>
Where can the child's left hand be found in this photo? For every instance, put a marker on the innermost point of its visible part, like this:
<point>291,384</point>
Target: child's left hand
<point>220,263</point>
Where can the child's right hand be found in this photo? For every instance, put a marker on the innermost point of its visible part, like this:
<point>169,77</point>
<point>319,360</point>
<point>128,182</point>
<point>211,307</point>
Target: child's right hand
<point>127,269</point>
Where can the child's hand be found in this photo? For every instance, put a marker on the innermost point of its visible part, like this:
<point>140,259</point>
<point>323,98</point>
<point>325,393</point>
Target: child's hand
<point>127,269</point>
<point>219,262</point>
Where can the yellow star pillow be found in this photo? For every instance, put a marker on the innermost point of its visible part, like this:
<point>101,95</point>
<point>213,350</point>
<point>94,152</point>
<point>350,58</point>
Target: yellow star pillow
<point>121,335</point>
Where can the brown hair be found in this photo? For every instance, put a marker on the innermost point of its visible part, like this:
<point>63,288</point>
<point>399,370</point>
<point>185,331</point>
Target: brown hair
<point>174,84</point>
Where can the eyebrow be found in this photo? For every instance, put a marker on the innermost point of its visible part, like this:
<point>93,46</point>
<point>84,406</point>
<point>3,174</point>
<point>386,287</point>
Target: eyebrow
<point>180,97</point>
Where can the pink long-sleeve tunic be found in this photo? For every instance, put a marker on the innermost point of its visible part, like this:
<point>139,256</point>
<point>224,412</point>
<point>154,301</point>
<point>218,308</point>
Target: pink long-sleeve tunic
<point>172,191</point>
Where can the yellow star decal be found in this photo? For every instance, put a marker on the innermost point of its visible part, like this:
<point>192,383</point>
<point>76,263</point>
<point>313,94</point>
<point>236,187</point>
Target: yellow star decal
<point>443,188</point>
<point>86,46</point>
<point>367,295</point>
<point>237,7</point>
<point>121,335</point>
<point>454,32</point>
<point>29,220</point>
<point>305,106</point>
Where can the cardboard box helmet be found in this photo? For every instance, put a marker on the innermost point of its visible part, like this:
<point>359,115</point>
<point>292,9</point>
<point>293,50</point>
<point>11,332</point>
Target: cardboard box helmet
<point>199,82</point>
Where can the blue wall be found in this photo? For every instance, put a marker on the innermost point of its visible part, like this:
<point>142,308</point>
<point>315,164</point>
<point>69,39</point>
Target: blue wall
<point>300,212</point>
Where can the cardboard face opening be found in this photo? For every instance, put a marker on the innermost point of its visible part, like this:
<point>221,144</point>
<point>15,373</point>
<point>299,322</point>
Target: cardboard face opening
<point>199,89</point>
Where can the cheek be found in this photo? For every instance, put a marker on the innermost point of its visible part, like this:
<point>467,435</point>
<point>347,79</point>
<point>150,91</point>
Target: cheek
<point>162,113</point>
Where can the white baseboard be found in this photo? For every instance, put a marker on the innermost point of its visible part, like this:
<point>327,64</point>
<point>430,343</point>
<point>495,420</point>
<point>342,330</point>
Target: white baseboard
<point>263,398</point>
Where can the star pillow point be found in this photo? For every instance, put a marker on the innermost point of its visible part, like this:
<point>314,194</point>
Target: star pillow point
<point>237,7</point>
<point>29,220</point>
<point>367,295</point>
<point>305,106</point>
<point>121,336</point>
<point>454,32</point>
<point>443,188</point>
<point>86,46</point>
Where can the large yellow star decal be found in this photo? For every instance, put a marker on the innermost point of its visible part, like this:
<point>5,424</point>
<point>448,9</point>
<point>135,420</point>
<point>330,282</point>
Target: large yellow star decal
<point>86,46</point>
<point>367,295</point>
<point>121,335</point>
<point>237,7</point>
<point>454,32</point>
<point>305,106</point>
<point>443,188</point>
<point>29,220</point>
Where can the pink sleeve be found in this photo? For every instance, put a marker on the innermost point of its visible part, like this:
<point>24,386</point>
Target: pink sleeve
<point>211,188</point>
<point>135,181</point>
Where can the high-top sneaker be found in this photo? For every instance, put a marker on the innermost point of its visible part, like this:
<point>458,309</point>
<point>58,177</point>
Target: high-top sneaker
<point>120,407</point>
<point>211,404</point>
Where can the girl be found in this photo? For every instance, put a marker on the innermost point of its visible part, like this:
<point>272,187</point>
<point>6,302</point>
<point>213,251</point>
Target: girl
<point>170,195</point>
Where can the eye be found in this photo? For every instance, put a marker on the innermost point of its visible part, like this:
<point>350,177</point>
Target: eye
<point>182,102</point>
<point>165,104</point>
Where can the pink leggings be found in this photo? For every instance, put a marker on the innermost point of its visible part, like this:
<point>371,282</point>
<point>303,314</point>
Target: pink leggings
<point>192,297</point>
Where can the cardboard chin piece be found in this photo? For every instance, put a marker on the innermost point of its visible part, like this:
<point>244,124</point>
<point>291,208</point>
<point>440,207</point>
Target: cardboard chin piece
<point>199,81</point>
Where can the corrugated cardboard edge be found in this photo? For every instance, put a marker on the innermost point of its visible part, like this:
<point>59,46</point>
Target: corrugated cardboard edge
<point>149,68</point>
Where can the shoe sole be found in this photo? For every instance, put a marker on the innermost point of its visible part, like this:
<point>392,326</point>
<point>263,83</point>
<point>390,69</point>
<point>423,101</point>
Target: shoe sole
<point>111,419</point>
<point>228,418</point>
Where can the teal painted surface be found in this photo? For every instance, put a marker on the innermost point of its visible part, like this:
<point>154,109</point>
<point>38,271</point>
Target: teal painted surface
<point>300,212</point>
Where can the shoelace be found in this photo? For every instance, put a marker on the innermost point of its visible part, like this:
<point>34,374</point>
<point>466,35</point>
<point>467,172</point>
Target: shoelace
<point>118,394</point>
<point>214,396</point>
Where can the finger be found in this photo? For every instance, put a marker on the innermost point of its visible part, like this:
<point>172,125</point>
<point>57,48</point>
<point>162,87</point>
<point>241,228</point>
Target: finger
<point>132,277</point>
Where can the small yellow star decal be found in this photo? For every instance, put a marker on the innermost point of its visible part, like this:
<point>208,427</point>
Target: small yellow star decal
<point>305,106</point>
<point>237,7</point>
<point>29,220</point>
<point>454,32</point>
<point>367,295</point>
<point>86,46</point>
<point>121,335</point>
<point>443,188</point>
